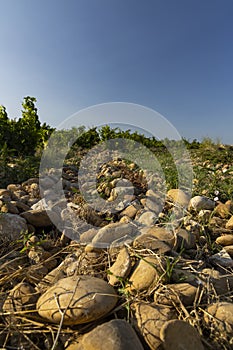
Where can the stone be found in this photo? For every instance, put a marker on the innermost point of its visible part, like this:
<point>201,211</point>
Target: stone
<point>221,258</point>
<point>229,204</point>
<point>185,239</point>
<point>220,315</point>
<point>229,224</point>
<point>35,190</point>
<point>120,192</point>
<point>229,250</point>
<point>37,255</point>
<point>125,220</point>
<point>174,293</point>
<point>213,279</point>
<point>222,210</point>
<point>150,319</point>
<point>29,182</point>
<point>11,226</point>
<point>16,195</point>
<point>180,335</point>
<point>153,195</point>
<point>215,221</point>
<point>9,207</point>
<point>163,234</point>
<point>22,297</point>
<point>201,202</point>
<point>148,218</point>
<point>152,205</point>
<point>113,335</point>
<point>129,211</point>
<point>46,182</point>
<point>146,274</point>
<point>87,236</point>
<point>148,241</point>
<point>225,240</point>
<point>120,268</point>
<point>39,205</point>
<point>112,233</point>
<point>14,187</point>
<point>5,193</point>
<point>179,197</point>
<point>80,299</point>
<point>39,218</point>
<point>35,273</point>
<point>183,275</point>
<point>50,279</point>
<point>22,206</point>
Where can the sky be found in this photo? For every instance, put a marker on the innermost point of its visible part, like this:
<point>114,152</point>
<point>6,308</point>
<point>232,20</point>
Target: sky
<point>172,56</point>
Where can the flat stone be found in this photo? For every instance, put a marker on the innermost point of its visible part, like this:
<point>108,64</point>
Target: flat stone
<point>112,233</point>
<point>80,298</point>
<point>39,218</point>
<point>148,241</point>
<point>120,268</point>
<point>180,335</point>
<point>115,335</point>
<point>120,192</point>
<point>163,234</point>
<point>150,319</point>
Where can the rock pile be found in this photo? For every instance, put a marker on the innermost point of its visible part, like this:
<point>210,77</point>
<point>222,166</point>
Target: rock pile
<point>135,278</point>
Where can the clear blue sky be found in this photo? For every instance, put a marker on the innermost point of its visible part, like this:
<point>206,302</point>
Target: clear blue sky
<point>175,56</point>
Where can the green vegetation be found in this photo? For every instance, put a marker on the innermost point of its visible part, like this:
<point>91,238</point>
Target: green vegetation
<point>22,142</point>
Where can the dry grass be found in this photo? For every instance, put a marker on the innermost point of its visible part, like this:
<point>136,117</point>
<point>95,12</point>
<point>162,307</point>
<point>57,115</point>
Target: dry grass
<point>24,329</point>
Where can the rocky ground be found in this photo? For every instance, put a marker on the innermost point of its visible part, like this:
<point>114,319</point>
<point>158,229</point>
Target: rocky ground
<point>147,276</point>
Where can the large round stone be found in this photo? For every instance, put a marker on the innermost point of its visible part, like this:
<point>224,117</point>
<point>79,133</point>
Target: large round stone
<point>78,299</point>
<point>150,319</point>
<point>113,335</point>
<point>180,335</point>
